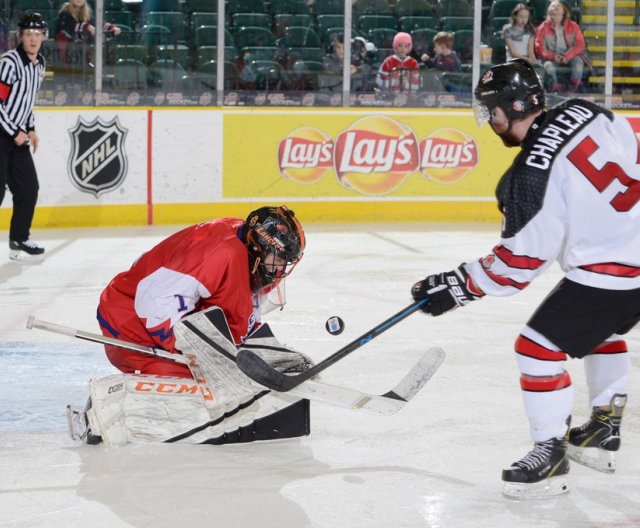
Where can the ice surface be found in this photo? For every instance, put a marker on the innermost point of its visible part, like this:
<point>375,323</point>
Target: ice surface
<point>435,464</point>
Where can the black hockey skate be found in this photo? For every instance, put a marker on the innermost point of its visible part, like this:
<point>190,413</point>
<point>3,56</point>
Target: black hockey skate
<point>593,444</point>
<point>541,473</point>
<point>25,250</point>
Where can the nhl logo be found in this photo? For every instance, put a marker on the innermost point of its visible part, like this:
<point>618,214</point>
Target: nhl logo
<point>97,163</point>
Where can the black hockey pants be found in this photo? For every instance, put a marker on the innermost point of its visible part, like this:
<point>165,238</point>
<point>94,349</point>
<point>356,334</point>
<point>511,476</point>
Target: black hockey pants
<point>18,172</point>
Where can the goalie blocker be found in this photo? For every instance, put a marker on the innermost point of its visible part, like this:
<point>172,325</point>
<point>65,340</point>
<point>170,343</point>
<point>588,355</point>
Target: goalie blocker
<point>227,408</point>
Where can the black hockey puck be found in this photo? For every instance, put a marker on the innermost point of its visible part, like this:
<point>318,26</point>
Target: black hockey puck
<point>334,325</point>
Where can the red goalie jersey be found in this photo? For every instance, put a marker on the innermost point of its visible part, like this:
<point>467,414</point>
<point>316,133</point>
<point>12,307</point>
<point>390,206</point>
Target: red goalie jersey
<point>201,266</point>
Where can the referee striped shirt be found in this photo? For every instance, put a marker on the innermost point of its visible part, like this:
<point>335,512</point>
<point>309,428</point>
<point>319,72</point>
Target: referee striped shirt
<point>20,80</point>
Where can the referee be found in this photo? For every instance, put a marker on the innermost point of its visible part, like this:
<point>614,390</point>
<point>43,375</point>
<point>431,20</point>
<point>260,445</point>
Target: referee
<point>21,74</point>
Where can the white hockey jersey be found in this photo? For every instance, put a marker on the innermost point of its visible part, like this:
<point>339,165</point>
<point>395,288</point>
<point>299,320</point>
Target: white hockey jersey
<point>571,196</point>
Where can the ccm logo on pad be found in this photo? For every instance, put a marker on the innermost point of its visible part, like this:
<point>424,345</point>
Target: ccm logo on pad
<point>172,388</point>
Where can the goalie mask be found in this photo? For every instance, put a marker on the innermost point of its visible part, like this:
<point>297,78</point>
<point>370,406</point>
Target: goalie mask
<point>514,86</point>
<point>275,241</point>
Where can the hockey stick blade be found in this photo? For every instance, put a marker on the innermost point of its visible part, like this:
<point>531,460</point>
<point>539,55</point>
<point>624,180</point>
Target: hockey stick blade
<point>260,371</point>
<point>418,376</point>
<point>381,404</point>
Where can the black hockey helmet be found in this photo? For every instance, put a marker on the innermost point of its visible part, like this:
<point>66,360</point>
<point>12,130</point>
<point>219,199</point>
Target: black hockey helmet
<point>272,230</point>
<point>514,86</point>
<point>33,20</point>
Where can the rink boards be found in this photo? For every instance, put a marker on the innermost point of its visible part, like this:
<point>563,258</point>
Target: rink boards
<point>122,166</point>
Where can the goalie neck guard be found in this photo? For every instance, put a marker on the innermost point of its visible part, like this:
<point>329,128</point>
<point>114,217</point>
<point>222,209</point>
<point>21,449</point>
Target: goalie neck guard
<point>276,232</point>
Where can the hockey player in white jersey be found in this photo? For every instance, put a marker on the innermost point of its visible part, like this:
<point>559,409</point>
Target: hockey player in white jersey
<point>571,196</point>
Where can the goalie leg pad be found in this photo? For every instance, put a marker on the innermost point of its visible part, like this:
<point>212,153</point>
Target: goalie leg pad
<point>291,422</point>
<point>212,356</point>
<point>139,408</point>
<point>105,413</point>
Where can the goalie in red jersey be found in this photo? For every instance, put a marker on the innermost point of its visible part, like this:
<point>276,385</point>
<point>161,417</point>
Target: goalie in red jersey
<point>228,262</point>
<point>199,293</point>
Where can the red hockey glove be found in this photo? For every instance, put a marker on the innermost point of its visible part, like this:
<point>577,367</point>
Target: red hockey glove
<point>446,291</point>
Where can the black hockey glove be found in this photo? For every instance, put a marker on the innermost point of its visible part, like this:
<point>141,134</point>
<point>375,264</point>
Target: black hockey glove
<point>446,291</point>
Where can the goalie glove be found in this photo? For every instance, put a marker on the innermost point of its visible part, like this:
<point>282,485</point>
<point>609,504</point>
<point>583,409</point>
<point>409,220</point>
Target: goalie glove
<point>286,360</point>
<point>446,291</point>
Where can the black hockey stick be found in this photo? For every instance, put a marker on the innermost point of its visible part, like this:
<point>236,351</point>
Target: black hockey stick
<point>258,370</point>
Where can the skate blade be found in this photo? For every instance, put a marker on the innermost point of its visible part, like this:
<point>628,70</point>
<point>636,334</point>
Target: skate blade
<point>21,256</point>
<point>538,490</point>
<point>593,457</point>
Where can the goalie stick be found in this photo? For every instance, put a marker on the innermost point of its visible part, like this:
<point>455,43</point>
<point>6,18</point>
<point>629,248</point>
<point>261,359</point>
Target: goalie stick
<point>261,372</point>
<point>381,404</point>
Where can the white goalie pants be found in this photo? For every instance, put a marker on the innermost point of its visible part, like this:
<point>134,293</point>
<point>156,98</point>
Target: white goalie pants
<point>141,408</point>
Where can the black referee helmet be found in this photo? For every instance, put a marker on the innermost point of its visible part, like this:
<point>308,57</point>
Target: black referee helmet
<point>33,20</point>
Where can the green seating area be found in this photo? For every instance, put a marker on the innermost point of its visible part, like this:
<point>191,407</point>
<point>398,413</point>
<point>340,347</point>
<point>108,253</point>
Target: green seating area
<point>192,24</point>
<point>182,35</point>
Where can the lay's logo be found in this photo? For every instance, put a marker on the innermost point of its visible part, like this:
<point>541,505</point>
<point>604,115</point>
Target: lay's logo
<point>376,155</point>
<point>305,155</point>
<point>447,155</point>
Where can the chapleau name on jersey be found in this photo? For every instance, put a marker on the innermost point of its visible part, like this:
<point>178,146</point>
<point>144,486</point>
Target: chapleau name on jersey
<point>556,133</point>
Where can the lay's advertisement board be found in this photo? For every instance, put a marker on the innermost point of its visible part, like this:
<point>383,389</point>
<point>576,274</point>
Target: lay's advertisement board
<point>397,156</point>
<point>142,166</point>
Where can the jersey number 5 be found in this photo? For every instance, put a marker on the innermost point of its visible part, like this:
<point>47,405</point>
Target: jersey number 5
<point>601,178</point>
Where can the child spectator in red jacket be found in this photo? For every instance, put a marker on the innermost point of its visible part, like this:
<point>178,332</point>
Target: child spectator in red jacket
<point>399,72</point>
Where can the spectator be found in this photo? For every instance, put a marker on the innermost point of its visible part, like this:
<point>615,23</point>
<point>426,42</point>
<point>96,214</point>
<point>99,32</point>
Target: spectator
<point>444,59</point>
<point>261,75</point>
<point>560,44</point>
<point>360,67</point>
<point>362,58</point>
<point>399,72</point>
<point>444,56</point>
<point>4,36</point>
<point>519,35</point>
<point>294,72</point>
<point>75,24</point>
